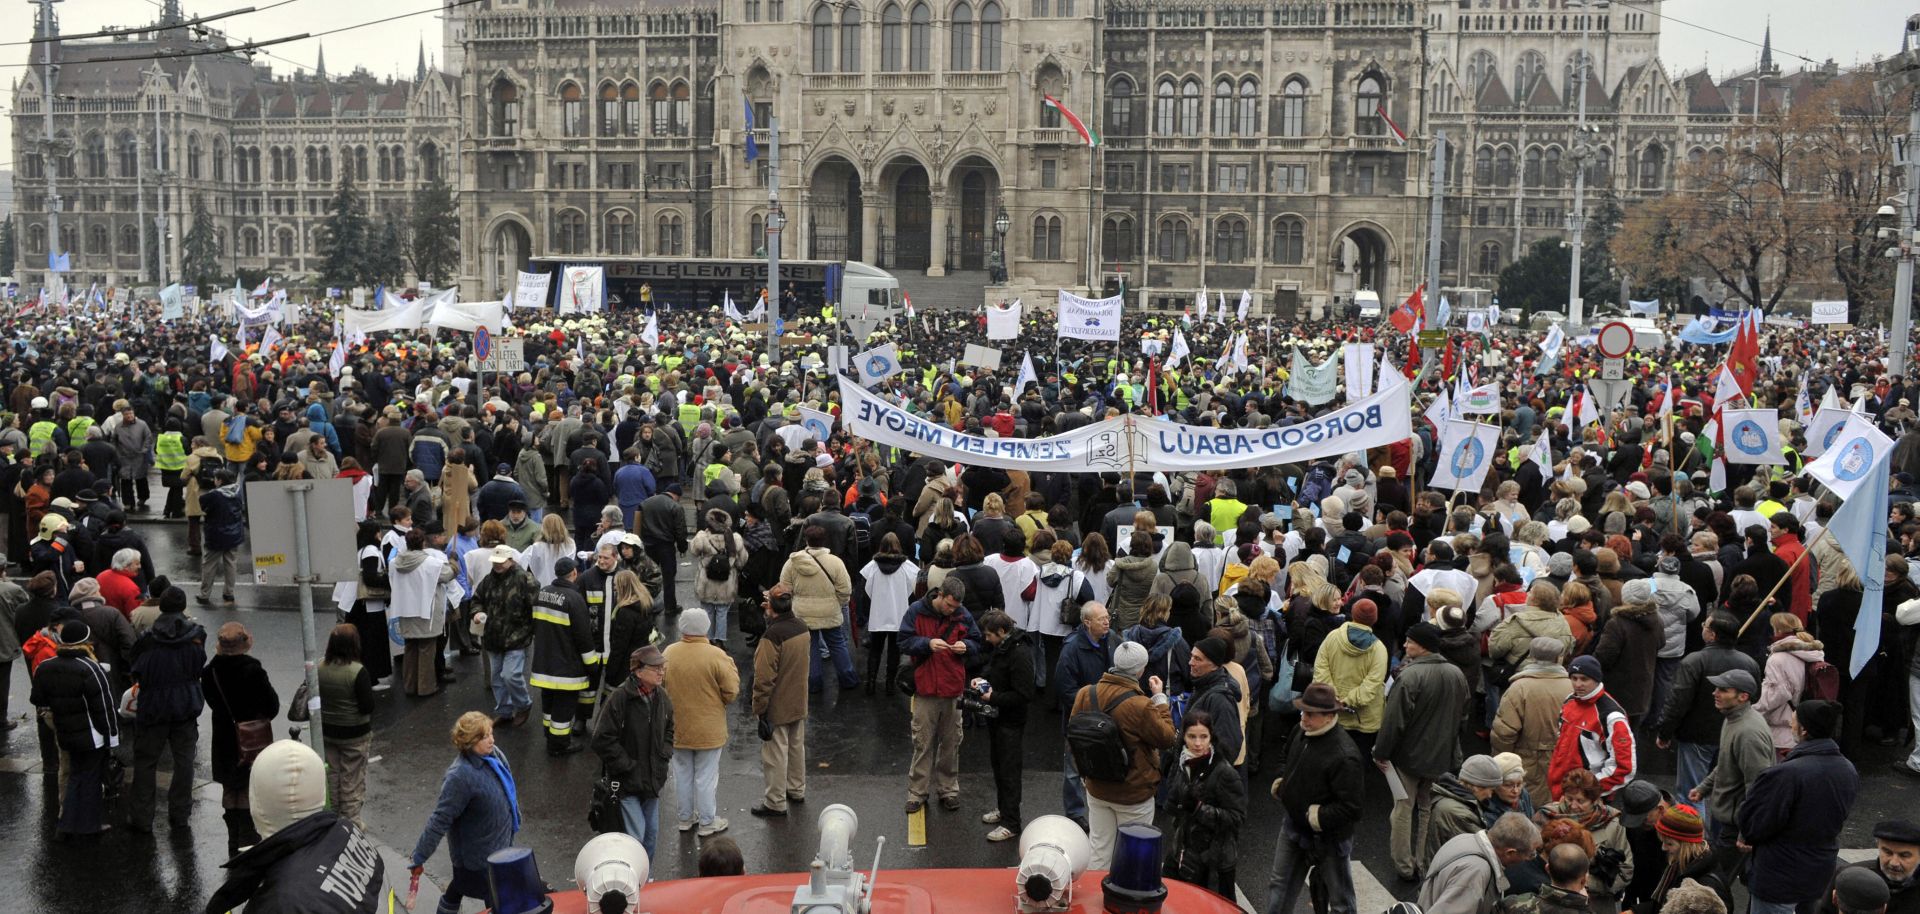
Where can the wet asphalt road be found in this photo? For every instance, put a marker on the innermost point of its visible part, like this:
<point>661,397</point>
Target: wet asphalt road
<point>858,747</point>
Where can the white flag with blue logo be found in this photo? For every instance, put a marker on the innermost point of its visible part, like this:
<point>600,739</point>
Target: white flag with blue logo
<point>1466,453</point>
<point>817,423</point>
<point>1855,469</point>
<point>877,364</point>
<point>1027,375</point>
<point>1090,318</point>
<point>1752,436</point>
<point>1178,350</point>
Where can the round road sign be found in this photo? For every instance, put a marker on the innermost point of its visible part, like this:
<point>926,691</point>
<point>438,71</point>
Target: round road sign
<point>482,344</point>
<point>1615,340</point>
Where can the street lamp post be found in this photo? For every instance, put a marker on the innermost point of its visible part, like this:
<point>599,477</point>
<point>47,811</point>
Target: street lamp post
<point>1001,223</point>
<point>1576,307</point>
<point>1902,73</point>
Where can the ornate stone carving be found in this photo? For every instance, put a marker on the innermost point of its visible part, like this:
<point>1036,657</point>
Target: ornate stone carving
<point>992,104</point>
<point>850,107</point>
<point>886,107</point>
<point>919,107</point>
<point>819,107</point>
<point>959,107</point>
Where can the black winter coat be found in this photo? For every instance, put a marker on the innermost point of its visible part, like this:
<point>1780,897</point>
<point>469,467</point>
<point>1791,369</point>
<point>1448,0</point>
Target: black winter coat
<point>1010,672</point>
<point>1792,816</point>
<point>1323,771</point>
<point>1219,695</point>
<point>634,739</point>
<point>167,662</point>
<point>1627,649</point>
<point>74,687</point>
<point>318,865</point>
<point>241,679</point>
<point>1202,809</point>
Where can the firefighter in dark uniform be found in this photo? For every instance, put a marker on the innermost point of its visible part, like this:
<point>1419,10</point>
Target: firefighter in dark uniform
<point>566,655</point>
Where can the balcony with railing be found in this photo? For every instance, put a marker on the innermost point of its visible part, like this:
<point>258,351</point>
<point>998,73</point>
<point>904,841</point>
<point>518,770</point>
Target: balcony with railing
<point>836,80</point>
<point>976,81</point>
<point>903,81</point>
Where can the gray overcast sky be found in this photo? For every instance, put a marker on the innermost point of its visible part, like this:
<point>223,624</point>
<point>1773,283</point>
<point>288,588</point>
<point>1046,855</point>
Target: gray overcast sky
<point>1849,31</point>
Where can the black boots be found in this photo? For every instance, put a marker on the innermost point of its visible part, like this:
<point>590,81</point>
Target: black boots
<point>240,831</point>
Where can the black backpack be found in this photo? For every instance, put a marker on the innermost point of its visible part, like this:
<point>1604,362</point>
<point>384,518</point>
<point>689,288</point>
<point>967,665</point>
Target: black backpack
<point>719,565</point>
<point>1094,738</point>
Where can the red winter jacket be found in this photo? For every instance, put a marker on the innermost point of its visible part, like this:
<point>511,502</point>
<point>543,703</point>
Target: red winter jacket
<point>1595,735</point>
<point>1799,588</point>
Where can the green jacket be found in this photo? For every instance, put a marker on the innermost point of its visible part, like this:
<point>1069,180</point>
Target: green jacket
<point>1746,749</point>
<point>507,599</point>
<point>1455,812</point>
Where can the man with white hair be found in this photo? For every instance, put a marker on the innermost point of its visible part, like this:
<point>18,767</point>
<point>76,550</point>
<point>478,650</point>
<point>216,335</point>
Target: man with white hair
<point>120,584</point>
<point>702,681</point>
<point>1121,792</point>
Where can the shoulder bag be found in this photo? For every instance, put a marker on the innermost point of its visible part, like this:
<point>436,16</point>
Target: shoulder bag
<point>251,736</point>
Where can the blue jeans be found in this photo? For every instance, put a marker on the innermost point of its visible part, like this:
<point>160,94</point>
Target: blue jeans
<point>642,818</point>
<point>1692,764</point>
<point>718,613</point>
<point>510,694</point>
<point>1332,871</point>
<point>696,775</point>
<point>1759,906</point>
<point>831,643</point>
<point>1073,793</point>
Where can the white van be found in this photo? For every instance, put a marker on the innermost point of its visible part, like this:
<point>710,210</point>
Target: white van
<point>1368,302</point>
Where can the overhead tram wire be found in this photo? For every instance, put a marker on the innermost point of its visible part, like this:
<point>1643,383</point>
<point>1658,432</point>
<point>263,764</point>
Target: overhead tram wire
<point>257,45</point>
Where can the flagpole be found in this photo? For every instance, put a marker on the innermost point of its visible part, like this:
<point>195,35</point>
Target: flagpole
<point>1783,580</point>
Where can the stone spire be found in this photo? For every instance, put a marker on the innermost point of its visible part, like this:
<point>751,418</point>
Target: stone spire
<point>170,13</point>
<point>1766,49</point>
<point>420,68</point>
<point>320,65</point>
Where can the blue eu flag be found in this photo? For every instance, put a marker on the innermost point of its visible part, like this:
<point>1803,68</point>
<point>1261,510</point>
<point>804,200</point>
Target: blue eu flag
<point>753,148</point>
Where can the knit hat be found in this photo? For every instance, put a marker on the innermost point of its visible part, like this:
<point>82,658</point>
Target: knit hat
<point>1511,768</point>
<point>1560,565</point>
<point>1860,891</point>
<point>695,623</point>
<point>1130,659</point>
<point>1638,590</point>
<point>1481,771</point>
<point>1215,650</point>
<point>1818,719</point>
<point>1681,823</point>
<point>174,600</point>
<point>1586,665</point>
<point>1578,524</point>
<point>1545,650</point>
<point>75,633</point>
<point>1451,618</point>
<point>1366,612</point>
<point>1425,634</point>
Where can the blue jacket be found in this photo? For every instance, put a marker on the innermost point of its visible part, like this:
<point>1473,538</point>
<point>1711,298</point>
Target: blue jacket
<point>226,521</point>
<point>429,452</point>
<point>633,484</point>
<point>491,501</point>
<point>318,424</point>
<point>473,813</point>
<point>1082,663</point>
<point>167,663</point>
<point>1792,816</point>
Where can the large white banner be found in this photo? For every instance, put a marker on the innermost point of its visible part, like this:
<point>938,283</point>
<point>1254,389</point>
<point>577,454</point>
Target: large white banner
<point>1004,323</point>
<point>1139,442</point>
<point>1314,384</point>
<point>397,315</point>
<point>531,290</point>
<point>1357,360</point>
<point>1466,453</point>
<point>468,315</point>
<point>581,289</point>
<point>1753,436</point>
<point>1828,312</point>
<point>1090,318</point>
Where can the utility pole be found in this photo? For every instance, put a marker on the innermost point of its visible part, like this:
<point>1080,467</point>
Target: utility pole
<point>1902,73</point>
<point>775,222</point>
<point>48,160</point>
<point>160,191</point>
<point>1437,189</point>
<point>1576,308</point>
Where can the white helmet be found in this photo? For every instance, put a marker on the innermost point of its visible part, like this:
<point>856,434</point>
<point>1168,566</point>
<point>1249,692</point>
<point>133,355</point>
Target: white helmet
<point>40,403</point>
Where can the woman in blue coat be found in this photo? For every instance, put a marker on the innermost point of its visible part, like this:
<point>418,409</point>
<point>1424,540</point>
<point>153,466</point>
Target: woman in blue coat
<point>478,812</point>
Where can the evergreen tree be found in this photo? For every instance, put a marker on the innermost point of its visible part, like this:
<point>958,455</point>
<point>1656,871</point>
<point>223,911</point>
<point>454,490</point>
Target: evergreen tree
<point>201,263</point>
<point>343,238</point>
<point>7,251</point>
<point>435,241</point>
<point>387,261</point>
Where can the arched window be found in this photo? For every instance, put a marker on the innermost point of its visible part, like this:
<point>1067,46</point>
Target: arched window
<point>893,40</point>
<point>1163,108</point>
<point>127,150</point>
<point>1120,107</point>
<point>573,110</point>
<point>609,110</point>
<point>1530,67</point>
<point>1490,258</point>
<point>1550,169</point>
<point>219,158</point>
<point>617,235</point>
<point>920,38</point>
<point>682,109</point>
<point>97,239</point>
<point>1293,108</point>
<point>1480,67</point>
<point>662,110</point>
<point>37,238</point>
<point>129,239</point>
<point>1369,102</point>
<point>630,117</point>
<point>757,235</point>
<point>505,119</point>
<point>429,162</point>
<point>570,232</point>
<point>1116,239</point>
<point>990,35</point>
<point>1289,244</point>
<point>399,163</point>
<point>249,242</point>
<point>850,39</point>
<point>359,164</point>
<point>313,164</point>
<point>1574,74</point>
<point>1229,240</point>
<point>1483,167</point>
<point>670,239</point>
<point>1175,245</point>
<point>288,247</point>
<point>1046,237</point>
<point>1530,171</point>
<point>1249,107</point>
<point>1224,108</point>
<point>193,156</point>
<point>822,39</point>
<point>1503,167</point>
<point>96,156</point>
<point>1653,167</point>
<point>1190,108</point>
<point>1047,82</point>
<point>385,170</point>
<point>962,53</point>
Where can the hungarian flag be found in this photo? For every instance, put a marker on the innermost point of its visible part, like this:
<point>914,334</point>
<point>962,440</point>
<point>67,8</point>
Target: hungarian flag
<point>1087,135</point>
<point>1401,135</point>
<point>1407,317</point>
<point>1743,359</point>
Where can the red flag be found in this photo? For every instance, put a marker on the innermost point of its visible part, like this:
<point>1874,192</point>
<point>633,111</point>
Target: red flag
<point>1410,313</point>
<point>1743,359</point>
<point>1153,387</point>
<point>1446,362</point>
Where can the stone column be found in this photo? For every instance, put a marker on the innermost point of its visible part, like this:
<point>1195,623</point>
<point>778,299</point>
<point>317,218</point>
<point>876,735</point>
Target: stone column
<point>870,224</point>
<point>937,198</point>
